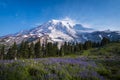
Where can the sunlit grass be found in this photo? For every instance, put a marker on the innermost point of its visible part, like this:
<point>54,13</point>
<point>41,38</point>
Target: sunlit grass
<point>93,64</point>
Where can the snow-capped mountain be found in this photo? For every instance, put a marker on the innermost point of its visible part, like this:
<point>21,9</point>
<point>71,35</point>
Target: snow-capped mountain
<point>60,31</point>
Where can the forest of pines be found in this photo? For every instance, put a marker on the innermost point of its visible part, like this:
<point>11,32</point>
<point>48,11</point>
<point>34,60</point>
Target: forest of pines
<point>27,50</point>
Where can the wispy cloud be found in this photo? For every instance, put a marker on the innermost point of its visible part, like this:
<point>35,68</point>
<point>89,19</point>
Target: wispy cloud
<point>74,21</point>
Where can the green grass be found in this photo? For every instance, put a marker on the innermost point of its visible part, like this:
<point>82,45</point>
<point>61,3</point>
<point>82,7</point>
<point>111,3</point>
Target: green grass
<point>96,63</point>
<point>112,49</point>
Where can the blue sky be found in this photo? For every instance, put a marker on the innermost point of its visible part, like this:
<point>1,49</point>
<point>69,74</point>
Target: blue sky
<point>17,15</point>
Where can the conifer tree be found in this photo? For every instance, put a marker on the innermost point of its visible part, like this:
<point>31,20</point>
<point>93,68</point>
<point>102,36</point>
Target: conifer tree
<point>61,51</point>
<point>43,50</point>
<point>37,49</point>
<point>2,52</point>
<point>21,50</point>
<point>65,48</point>
<point>87,45</point>
<point>76,47</point>
<point>26,50</point>
<point>55,49</point>
<point>9,54</point>
<point>80,46</point>
<point>104,41</point>
<point>14,48</point>
<point>72,46</point>
<point>68,49</point>
<point>31,50</point>
<point>49,49</point>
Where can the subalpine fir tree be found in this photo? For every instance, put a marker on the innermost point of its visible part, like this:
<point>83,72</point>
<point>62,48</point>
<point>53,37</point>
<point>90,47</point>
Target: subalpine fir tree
<point>68,49</point>
<point>87,45</point>
<point>31,51</point>
<point>9,54</point>
<point>2,52</point>
<point>72,47</point>
<point>55,49</point>
<point>105,41</point>
<point>21,50</point>
<point>65,48</point>
<point>76,47</point>
<point>26,50</point>
<point>43,50</point>
<point>61,51</point>
<point>80,46</point>
<point>49,49</point>
<point>37,49</point>
<point>14,51</point>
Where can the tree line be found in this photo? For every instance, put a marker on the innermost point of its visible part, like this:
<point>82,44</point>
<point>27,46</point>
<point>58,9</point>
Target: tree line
<point>27,50</point>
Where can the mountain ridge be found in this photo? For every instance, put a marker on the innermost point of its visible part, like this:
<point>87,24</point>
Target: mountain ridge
<point>60,31</point>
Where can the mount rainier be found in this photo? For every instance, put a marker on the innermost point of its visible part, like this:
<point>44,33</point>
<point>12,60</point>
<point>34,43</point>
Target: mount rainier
<point>60,31</point>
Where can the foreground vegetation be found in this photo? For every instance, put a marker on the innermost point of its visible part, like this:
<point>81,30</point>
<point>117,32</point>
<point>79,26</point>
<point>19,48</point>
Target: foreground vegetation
<point>101,63</point>
<point>64,68</point>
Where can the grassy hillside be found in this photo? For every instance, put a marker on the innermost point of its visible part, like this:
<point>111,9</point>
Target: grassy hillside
<point>93,64</point>
<point>112,49</point>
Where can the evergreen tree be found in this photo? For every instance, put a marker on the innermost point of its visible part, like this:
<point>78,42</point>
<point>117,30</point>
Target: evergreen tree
<point>61,51</point>
<point>55,49</point>
<point>76,48</point>
<point>14,48</point>
<point>52,49</point>
<point>80,46</point>
<point>65,48</point>
<point>26,50</point>
<point>9,54</point>
<point>31,51</point>
<point>96,44</point>
<point>105,41</point>
<point>68,49</point>
<point>72,47</point>
<point>43,49</point>
<point>87,45</point>
<point>2,52</point>
<point>49,49</point>
<point>37,49</point>
<point>21,50</point>
<point>12,52</point>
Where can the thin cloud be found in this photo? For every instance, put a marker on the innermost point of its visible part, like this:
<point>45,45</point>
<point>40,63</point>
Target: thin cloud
<point>73,21</point>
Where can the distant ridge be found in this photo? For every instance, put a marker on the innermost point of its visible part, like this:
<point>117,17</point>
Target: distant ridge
<point>60,31</point>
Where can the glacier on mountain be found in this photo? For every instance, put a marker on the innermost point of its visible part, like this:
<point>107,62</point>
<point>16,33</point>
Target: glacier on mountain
<point>60,31</point>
